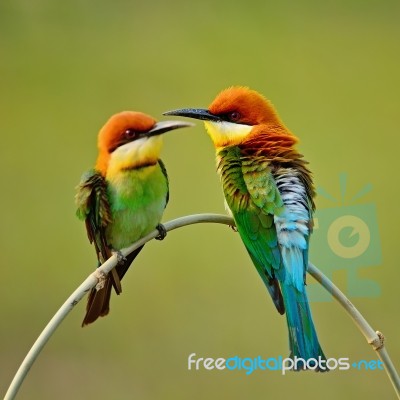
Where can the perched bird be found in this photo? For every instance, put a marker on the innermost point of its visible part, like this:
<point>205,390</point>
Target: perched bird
<point>269,192</point>
<point>124,197</point>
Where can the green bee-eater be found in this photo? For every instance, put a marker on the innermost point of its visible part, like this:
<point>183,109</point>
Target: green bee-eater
<point>269,192</point>
<point>124,197</point>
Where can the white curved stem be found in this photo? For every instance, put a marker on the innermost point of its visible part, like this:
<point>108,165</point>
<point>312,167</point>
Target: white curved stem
<point>372,337</point>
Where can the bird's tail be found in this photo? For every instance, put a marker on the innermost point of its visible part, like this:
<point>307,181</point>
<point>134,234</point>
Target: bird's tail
<point>98,304</point>
<point>305,350</point>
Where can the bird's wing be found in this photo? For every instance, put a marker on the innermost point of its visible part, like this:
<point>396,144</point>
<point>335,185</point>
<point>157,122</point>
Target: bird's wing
<point>257,219</point>
<point>94,208</point>
<point>253,198</point>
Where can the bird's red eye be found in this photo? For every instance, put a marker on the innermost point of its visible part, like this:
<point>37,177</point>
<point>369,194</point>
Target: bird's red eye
<point>130,134</point>
<point>234,116</point>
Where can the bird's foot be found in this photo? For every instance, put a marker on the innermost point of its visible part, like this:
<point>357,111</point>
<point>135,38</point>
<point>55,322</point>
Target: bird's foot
<point>101,279</point>
<point>162,232</point>
<point>233,227</point>
<point>121,259</point>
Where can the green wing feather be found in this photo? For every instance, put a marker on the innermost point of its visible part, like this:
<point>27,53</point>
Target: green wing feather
<point>258,219</point>
<point>253,199</point>
<point>94,208</point>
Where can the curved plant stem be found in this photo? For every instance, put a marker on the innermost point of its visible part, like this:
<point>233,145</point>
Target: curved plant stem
<point>90,283</point>
<point>373,338</point>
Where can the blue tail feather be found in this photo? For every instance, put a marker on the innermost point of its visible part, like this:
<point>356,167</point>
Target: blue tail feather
<point>303,340</point>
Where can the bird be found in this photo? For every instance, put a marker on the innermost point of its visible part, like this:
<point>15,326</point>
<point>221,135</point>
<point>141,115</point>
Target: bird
<point>123,198</point>
<point>269,192</point>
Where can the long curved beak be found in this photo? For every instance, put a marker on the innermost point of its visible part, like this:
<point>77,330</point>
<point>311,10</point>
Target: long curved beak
<point>165,126</point>
<point>196,113</point>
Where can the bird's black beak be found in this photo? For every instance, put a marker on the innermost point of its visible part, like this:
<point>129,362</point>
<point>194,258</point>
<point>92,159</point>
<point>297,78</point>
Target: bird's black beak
<point>165,126</point>
<point>197,113</point>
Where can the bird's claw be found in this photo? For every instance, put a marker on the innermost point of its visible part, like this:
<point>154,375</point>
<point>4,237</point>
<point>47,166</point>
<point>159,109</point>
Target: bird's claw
<point>162,232</point>
<point>121,259</point>
<point>233,227</point>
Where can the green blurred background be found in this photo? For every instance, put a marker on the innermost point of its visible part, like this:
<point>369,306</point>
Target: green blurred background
<point>331,69</point>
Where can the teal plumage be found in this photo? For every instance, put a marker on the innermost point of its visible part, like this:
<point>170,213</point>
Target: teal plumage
<point>274,238</point>
<point>269,192</point>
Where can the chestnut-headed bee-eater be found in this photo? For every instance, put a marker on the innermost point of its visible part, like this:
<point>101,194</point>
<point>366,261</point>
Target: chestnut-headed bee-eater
<point>269,192</point>
<point>124,197</point>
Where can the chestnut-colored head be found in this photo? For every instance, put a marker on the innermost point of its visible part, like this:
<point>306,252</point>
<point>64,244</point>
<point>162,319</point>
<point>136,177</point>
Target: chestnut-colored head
<point>233,115</point>
<point>242,105</point>
<point>122,128</point>
<point>131,139</point>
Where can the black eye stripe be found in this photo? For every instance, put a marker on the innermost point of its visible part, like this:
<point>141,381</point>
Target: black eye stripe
<point>232,116</point>
<point>126,136</point>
